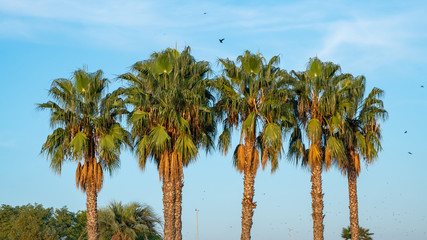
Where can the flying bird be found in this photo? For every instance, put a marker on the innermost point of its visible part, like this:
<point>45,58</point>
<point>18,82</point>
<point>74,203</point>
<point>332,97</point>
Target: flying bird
<point>204,13</point>
<point>422,86</point>
<point>406,132</point>
<point>222,39</point>
<point>410,153</point>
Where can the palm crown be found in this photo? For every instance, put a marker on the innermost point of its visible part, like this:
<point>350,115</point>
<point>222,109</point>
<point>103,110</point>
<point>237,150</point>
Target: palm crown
<point>86,127</point>
<point>253,94</point>
<point>128,221</point>
<point>360,129</point>
<point>171,116</point>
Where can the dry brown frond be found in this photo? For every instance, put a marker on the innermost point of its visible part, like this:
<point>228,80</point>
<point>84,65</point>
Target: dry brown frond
<point>241,157</point>
<point>89,170</point>
<point>161,167</point>
<point>78,174</point>
<point>313,155</point>
<point>264,158</point>
<point>327,159</point>
<point>357,163</point>
<point>174,165</point>
<point>167,167</point>
<point>99,176</point>
<point>83,177</point>
<point>181,173</point>
<point>255,161</point>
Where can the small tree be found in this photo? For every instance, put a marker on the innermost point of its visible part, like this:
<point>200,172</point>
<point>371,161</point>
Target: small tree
<point>364,233</point>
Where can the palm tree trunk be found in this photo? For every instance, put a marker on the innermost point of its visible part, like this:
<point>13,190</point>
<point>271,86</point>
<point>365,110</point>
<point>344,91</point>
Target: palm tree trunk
<point>317,201</point>
<point>168,208</point>
<point>92,212</point>
<point>353,205</point>
<point>178,208</point>
<point>248,205</point>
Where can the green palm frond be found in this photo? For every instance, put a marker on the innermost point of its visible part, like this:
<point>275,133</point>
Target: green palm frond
<point>314,129</point>
<point>78,144</point>
<point>248,126</point>
<point>171,100</point>
<point>159,138</point>
<point>224,141</point>
<point>127,221</point>
<point>186,147</point>
<point>85,122</point>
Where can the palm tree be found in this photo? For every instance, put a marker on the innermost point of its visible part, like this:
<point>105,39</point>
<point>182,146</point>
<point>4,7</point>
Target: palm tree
<point>316,102</point>
<point>250,97</point>
<point>360,131</point>
<point>127,222</point>
<point>86,131</point>
<point>170,121</point>
<point>363,233</point>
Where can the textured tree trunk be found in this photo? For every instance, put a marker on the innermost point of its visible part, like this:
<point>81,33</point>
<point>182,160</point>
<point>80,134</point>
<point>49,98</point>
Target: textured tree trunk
<point>353,205</point>
<point>92,212</point>
<point>168,209</point>
<point>248,205</point>
<point>317,201</point>
<point>178,208</point>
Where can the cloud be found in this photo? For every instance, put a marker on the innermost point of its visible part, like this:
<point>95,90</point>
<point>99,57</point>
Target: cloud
<point>331,30</point>
<point>375,41</point>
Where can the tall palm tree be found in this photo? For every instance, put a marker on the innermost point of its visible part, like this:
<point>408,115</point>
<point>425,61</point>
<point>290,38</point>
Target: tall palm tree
<point>360,131</point>
<point>251,99</point>
<point>86,132</point>
<point>170,121</point>
<point>127,222</point>
<point>316,102</point>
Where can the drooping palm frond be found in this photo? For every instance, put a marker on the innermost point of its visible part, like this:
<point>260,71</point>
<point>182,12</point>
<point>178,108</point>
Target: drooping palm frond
<point>171,101</point>
<point>253,92</point>
<point>128,221</point>
<point>359,129</point>
<point>86,129</point>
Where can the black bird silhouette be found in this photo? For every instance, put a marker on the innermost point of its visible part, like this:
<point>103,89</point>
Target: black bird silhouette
<point>410,153</point>
<point>422,86</point>
<point>406,132</point>
<point>222,39</point>
<point>204,13</point>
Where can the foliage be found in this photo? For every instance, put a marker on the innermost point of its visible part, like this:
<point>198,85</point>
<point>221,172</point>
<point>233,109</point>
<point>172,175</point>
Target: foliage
<point>85,123</point>
<point>36,222</point>
<point>170,99</point>
<point>128,222</point>
<point>364,233</point>
<point>253,93</point>
<point>359,129</point>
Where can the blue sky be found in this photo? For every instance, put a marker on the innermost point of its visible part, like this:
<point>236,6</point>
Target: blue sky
<point>383,40</point>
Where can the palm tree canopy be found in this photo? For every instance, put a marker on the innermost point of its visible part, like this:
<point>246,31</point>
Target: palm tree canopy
<point>253,92</point>
<point>84,119</point>
<point>171,117</point>
<point>359,127</point>
<point>128,221</point>
<point>316,102</point>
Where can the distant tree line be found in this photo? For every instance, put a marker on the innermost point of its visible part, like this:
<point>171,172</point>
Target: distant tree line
<point>117,221</point>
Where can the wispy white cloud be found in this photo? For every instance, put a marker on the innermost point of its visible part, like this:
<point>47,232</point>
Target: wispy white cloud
<point>331,30</point>
<point>375,41</point>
